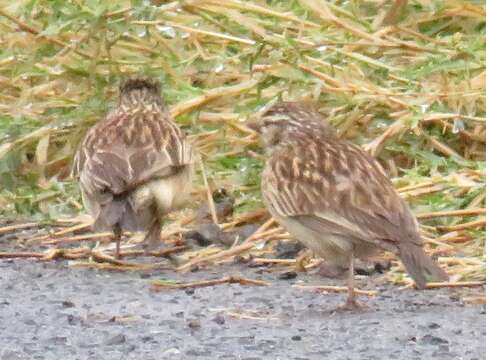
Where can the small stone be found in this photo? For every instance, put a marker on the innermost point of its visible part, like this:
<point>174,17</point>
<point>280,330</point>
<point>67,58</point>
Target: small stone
<point>147,338</point>
<point>116,340</point>
<point>68,304</point>
<point>433,325</point>
<point>190,291</point>
<point>73,320</point>
<point>219,319</point>
<point>288,275</point>
<point>364,271</point>
<point>194,324</point>
<point>288,249</point>
<point>204,234</point>
<point>433,340</point>
<point>455,297</point>
<point>296,338</point>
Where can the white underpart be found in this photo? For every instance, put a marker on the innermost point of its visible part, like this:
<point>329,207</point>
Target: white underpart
<point>168,193</point>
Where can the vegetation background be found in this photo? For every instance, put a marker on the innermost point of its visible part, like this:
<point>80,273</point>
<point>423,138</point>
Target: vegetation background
<point>405,79</point>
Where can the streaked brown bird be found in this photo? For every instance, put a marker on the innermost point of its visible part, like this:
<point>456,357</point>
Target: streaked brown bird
<point>334,197</point>
<point>135,165</point>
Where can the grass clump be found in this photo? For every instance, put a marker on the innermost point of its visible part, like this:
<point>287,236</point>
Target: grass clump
<point>408,84</point>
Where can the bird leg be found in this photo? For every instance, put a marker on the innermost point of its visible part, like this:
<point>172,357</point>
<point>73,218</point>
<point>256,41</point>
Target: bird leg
<point>351,302</point>
<point>351,294</point>
<point>117,233</point>
<point>152,240</point>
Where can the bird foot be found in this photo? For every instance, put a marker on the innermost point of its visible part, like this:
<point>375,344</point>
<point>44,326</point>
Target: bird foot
<point>352,305</point>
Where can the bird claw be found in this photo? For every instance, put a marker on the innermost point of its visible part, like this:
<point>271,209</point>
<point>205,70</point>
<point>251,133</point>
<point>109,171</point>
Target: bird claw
<point>353,305</point>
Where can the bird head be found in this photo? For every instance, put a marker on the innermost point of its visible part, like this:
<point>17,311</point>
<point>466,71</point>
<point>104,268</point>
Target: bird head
<point>285,120</point>
<point>140,90</point>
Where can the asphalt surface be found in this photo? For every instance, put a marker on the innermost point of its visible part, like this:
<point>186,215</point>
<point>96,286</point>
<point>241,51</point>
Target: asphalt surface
<point>52,311</point>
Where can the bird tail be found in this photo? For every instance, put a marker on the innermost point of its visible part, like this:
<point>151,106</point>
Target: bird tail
<point>116,213</point>
<point>419,264</point>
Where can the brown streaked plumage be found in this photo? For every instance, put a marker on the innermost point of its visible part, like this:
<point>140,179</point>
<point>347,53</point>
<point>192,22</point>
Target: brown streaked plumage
<point>135,165</point>
<point>333,196</point>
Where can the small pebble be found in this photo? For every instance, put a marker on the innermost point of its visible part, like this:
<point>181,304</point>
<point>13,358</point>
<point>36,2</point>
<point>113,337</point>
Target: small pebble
<point>194,324</point>
<point>288,249</point>
<point>179,314</point>
<point>68,304</point>
<point>433,340</point>
<point>147,338</point>
<point>116,340</point>
<point>219,319</point>
<point>296,337</point>
<point>288,275</point>
<point>190,291</point>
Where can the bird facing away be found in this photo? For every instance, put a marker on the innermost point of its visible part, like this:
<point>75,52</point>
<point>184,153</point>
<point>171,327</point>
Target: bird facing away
<point>334,197</point>
<point>135,165</point>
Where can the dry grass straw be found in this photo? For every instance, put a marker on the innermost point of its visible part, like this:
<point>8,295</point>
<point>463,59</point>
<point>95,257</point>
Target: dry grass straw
<point>158,285</point>
<point>406,80</point>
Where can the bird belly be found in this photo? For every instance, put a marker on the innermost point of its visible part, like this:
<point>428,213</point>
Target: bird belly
<point>168,193</point>
<point>331,247</point>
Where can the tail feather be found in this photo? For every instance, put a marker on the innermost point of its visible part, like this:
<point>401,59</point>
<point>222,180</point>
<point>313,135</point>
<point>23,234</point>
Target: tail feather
<point>419,264</point>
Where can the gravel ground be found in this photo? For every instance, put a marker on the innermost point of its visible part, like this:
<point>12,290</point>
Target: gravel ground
<point>52,311</point>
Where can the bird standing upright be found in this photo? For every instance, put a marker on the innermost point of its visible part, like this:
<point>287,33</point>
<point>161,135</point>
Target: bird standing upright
<point>135,165</point>
<point>334,197</point>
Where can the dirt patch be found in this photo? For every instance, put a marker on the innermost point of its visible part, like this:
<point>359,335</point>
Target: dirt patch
<point>52,311</point>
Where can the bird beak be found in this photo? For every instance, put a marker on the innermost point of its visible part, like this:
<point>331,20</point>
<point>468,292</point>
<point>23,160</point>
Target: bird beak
<point>254,124</point>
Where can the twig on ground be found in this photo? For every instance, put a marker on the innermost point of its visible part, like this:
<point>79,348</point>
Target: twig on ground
<point>158,285</point>
<point>335,289</point>
<point>15,227</point>
<point>20,254</point>
<point>439,285</point>
<point>246,245</point>
<point>158,253</point>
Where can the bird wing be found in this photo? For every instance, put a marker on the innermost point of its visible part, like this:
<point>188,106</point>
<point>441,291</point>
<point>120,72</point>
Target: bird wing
<point>335,187</point>
<point>123,152</point>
